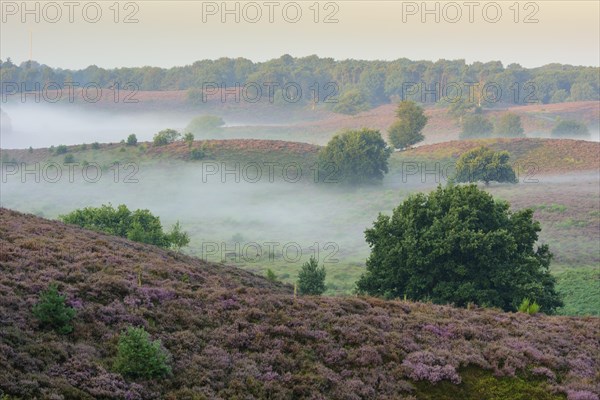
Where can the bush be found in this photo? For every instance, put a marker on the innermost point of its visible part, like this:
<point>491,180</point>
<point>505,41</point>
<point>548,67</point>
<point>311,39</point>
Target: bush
<point>476,126</point>
<point>458,245</point>
<point>189,139</point>
<point>570,128</point>
<point>83,147</point>
<point>406,131</point>
<point>139,357</point>
<point>311,279</point>
<point>61,149</point>
<point>52,312</point>
<point>271,276</point>
<point>95,145</point>
<point>528,307</point>
<point>197,154</point>
<point>486,165</point>
<point>509,125</point>
<point>165,137</point>
<point>355,157</point>
<point>139,225</point>
<point>69,158</point>
<point>178,238</point>
<point>132,140</point>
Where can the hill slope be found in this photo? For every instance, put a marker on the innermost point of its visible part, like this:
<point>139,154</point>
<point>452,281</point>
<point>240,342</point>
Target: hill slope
<point>234,335</point>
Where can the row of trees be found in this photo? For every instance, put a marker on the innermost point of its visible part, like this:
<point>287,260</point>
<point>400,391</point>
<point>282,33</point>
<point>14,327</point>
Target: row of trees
<point>358,84</point>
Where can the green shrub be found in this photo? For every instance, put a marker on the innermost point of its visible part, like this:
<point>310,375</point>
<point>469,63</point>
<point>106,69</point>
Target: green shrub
<point>197,154</point>
<point>484,164</point>
<point>61,149</point>
<point>95,145</point>
<point>165,137</point>
<point>271,276</point>
<point>83,147</point>
<point>570,128</point>
<point>311,279</point>
<point>406,131</point>
<point>132,140</point>
<point>52,312</point>
<point>528,307</point>
<point>139,357</point>
<point>69,158</point>
<point>476,126</point>
<point>178,238</point>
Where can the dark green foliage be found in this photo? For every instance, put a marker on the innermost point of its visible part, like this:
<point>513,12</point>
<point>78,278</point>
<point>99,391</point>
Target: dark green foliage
<point>132,140</point>
<point>165,137</point>
<point>509,125</point>
<point>139,357</point>
<point>570,128</point>
<point>271,275</point>
<point>139,225</point>
<point>69,158</point>
<point>406,131</point>
<point>458,109</point>
<point>476,126</point>
<point>95,146</point>
<point>484,165</point>
<point>61,149</point>
<point>354,157</point>
<point>311,278</point>
<point>197,154</point>
<point>30,149</point>
<point>457,245</point>
<point>351,102</point>
<point>205,124</point>
<point>83,147</point>
<point>52,312</point>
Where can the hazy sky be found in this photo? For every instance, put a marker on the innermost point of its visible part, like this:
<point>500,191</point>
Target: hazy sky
<point>169,33</point>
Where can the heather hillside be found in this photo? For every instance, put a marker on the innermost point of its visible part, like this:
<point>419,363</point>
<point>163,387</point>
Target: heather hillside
<point>230,334</point>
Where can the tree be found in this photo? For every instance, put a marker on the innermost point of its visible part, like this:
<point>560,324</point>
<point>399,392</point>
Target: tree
<point>476,126</point>
<point>139,357</point>
<point>458,245</point>
<point>165,137</point>
<point>570,128</point>
<point>461,107</point>
<point>52,311</point>
<point>485,165</point>
<point>354,157</point>
<point>189,139</point>
<point>351,102</point>
<point>132,140</point>
<point>178,238</point>
<point>509,125</point>
<point>311,279</point>
<point>407,129</point>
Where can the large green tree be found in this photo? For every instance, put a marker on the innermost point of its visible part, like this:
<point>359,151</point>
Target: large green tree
<point>458,245</point>
<point>354,156</point>
<point>482,164</point>
<point>406,131</point>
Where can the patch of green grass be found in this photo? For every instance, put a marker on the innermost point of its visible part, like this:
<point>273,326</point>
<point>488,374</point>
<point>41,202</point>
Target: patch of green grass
<point>572,223</point>
<point>478,384</point>
<point>580,289</point>
<point>553,208</point>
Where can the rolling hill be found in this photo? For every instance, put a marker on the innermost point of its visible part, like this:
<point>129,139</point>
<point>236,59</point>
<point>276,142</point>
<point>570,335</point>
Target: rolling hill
<point>235,335</point>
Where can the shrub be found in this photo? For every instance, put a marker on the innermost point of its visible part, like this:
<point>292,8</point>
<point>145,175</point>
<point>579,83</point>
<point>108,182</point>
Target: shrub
<point>486,165</point>
<point>197,154</point>
<point>355,157</point>
<point>95,145</point>
<point>61,149</point>
<point>351,102</point>
<point>458,245</point>
<point>476,126</point>
<point>271,276</point>
<point>165,137</point>
<point>178,238</point>
<point>311,279</point>
<point>139,357</point>
<point>69,158</point>
<point>406,131</point>
<point>52,312</point>
<point>83,147</point>
<point>30,149</point>
<point>132,140</point>
<point>570,128</point>
<point>189,139</point>
<point>509,125</point>
<point>528,307</point>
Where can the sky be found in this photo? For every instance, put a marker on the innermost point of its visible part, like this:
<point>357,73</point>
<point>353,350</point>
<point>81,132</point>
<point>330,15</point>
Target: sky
<point>177,33</point>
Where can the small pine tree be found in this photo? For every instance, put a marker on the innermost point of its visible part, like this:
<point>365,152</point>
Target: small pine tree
<point>52,312</point>
<point>311,279</point>
<point>139,357</point>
